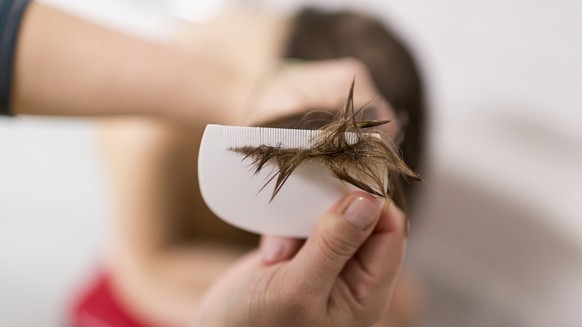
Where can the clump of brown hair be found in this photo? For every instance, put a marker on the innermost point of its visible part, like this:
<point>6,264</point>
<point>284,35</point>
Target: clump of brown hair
<point>320,34</point>
<point>347,147</point>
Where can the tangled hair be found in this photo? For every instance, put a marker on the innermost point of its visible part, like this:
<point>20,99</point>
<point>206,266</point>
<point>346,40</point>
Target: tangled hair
<point>347,148</point>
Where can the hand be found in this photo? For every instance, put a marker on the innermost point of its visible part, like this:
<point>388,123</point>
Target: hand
<point>293,88</point>
<point>342,276</point>
<point>262,86</point>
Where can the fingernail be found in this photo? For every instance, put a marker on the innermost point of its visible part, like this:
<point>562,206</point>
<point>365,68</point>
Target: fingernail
<point>271,251</point>
<point>362,212</point>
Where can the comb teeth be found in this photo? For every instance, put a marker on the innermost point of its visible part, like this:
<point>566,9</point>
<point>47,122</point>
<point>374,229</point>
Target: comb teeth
<point>239,136</point>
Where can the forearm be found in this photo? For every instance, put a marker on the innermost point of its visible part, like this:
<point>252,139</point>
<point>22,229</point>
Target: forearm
<point>66,66</point>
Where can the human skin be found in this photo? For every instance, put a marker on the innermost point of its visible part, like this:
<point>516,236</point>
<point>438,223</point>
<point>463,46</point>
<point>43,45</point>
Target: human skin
<point>67,67</point>
<point>152,169</point>
<point>343,275</point>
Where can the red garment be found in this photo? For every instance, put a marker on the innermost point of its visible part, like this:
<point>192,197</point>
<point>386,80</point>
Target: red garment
<point>98,306</point>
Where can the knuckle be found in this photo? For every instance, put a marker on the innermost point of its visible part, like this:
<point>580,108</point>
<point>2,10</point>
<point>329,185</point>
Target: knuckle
<point>365,290</point>
<point>336,247</point>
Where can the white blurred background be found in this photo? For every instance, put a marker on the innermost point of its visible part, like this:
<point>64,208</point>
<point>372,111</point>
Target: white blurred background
<point>498,234</point>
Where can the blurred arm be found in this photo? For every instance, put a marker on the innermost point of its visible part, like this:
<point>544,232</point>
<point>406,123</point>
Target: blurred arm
<point>67,66</point>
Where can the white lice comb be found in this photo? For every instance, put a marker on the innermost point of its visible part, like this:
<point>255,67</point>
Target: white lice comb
<point>232,190</point>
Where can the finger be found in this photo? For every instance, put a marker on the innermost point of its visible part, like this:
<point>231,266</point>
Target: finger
<point>275,249</point>
<point>372,273</point>
<point>322,85</point>
<point>330,80</point>
<point>334,241</point>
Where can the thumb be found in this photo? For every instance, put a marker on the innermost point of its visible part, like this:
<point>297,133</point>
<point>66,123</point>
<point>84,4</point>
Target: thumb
<point>337,237</point>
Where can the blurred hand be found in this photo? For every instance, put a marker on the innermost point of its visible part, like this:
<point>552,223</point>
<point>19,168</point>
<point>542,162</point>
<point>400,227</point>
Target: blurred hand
<point>262,86</point>
<point>343,275</point>
<point>295,87</point>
